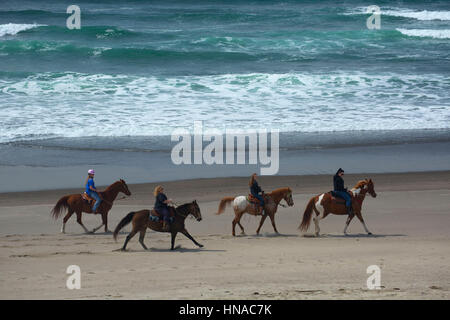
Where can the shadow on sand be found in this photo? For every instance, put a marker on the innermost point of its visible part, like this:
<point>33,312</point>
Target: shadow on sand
<point>356,235</point>
<point>271,235</point>
<point>178,248</point>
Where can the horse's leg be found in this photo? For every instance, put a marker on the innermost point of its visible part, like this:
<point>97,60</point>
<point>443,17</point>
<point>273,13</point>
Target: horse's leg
<point>67,217</point>
<point>81,223</point>
<point>320,213</point>
<point>349,218</point>
<point>141,238</point>
<point>128,238</point>
<point>174,235</point>
<point>186,233</point>
<point>239,223</point>
<point>103,222</point>
<point>235,220</point>
<point>358,214</point>
<point>263,218</point>
<point>272,219</point>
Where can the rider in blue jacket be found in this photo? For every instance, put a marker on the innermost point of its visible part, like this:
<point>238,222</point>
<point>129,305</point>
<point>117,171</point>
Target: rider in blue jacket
<point>91,191</point>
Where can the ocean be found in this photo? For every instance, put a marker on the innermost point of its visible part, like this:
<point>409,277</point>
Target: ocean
<point>110,94</point>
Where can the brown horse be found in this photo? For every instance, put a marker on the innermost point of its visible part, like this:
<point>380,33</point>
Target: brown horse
<point>75,203</point>
<point>271,201</point>
<point>141,221</point>
<point>324,203</point>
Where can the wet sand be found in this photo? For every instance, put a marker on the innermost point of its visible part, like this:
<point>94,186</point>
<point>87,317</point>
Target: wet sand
<point>410,220</point>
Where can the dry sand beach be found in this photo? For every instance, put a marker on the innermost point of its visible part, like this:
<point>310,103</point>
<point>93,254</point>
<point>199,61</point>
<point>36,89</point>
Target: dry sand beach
<point>410,220</point>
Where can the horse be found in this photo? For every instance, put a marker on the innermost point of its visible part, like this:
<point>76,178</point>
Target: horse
<point>141,221</point>
<point>324,203</point>
<point>271,201</point>
<point>75,203</point>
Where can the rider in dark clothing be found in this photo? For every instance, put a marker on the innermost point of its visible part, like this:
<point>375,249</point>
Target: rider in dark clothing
<point>161,206</point>
<point>341,191</point>
<point>255,189</point>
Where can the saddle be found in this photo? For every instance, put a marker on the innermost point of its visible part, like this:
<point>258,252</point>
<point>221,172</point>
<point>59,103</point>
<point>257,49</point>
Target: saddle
<point>255,202</point>
<point>86,198</point>
<point>155,216</point>
<point>252,199</point>
<point>335,198</point>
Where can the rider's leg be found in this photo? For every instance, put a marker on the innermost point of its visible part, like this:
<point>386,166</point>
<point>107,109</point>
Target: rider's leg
<point>261,202</point>
<point>348,203</point>
<point>166,219</point>
<point>97,200</point>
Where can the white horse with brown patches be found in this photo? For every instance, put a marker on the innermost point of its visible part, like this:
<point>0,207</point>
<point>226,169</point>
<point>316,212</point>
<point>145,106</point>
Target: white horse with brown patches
<point>271,201</point>
<point>324,204</point>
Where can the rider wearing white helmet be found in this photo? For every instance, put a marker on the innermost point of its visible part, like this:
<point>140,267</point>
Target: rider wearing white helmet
<point>91,190</point>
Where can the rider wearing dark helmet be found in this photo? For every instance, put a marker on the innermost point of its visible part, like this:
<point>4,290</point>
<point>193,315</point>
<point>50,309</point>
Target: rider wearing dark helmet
<point>341,191</point>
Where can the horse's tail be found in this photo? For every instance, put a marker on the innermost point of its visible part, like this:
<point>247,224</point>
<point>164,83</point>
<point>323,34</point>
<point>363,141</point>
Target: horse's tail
<point>126,220</point>
<point>60,206</point>
<point>307,215</point>
<point>223,204</point>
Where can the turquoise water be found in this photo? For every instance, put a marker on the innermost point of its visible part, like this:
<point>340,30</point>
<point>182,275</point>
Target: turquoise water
<point>144,68</point>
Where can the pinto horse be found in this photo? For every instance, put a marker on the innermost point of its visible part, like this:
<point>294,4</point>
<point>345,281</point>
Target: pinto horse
<point>271,201</point>
<point>324,203</point>
<point>141,221</point>
<point>75,203</point>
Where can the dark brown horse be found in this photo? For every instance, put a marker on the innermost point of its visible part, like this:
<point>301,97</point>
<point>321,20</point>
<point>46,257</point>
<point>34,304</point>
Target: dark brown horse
<point>324,204</point>
<point>75,203</point>
<point>271,201</point>
<point>141,221</point>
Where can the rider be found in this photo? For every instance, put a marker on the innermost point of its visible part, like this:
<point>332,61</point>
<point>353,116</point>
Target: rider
<point>161,205</point>
<point>341,191</point>
<point>255,190</point>
<point>91,191</point>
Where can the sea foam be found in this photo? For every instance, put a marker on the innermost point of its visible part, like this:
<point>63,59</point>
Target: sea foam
<point>15,28</point>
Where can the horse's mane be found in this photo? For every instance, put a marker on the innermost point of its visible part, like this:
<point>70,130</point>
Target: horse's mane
<point>360,184</point>
<point>111,186</point>
<point>280,190</point>
<point>183,208</point>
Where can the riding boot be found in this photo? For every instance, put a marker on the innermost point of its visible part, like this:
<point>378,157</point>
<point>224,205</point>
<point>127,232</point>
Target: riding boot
<point>166,226</point>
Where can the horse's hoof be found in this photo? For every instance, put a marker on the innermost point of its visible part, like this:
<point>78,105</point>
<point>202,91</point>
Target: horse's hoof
<point>123,250</point>
<point>370,233</point>
<point>200,245</point>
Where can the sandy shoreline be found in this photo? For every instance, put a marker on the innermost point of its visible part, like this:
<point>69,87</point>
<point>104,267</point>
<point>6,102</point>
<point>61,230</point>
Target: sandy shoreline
<point>410,219</point>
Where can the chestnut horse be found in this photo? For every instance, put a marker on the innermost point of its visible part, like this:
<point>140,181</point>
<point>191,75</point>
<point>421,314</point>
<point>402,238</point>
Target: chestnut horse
<point>271,201</point>
<point>323,204</point>
<point>75,203</point>
<point>141,221</point>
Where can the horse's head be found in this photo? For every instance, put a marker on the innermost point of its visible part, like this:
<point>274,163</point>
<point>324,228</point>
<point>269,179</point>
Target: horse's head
<point>124,188</point>
<point>371,188</point>
<point>288,197</point>
<point>365,186</point>
<point>195,210</point>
